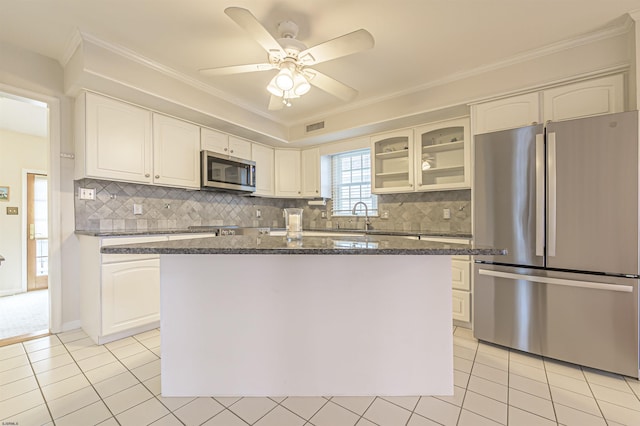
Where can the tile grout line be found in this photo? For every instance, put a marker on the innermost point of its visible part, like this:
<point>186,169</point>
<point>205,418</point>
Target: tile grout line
<point>466,386</point>
<point>46,404</point>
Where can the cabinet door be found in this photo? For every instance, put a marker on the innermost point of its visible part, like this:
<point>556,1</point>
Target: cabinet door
<point>593,97</point>
<point>310,172</point>
<point>287,168</point>
<point>264,158</point>
<point>392,162</point>
<point>239,148</point>
<point>130,295</point>
<point>210,140</point>
<point>117,140</point>
<point>509,113</point>
<point>176,152</point>
<point>442,155</point>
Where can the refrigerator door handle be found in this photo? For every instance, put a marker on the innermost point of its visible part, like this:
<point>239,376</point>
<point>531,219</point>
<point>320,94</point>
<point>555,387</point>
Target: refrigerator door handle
<point>540,194</point>
<point>558,281</point>
<point>551,167</point>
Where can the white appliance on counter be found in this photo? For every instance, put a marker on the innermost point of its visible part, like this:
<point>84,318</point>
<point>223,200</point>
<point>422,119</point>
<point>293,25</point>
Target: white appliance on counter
<point>563,200</point>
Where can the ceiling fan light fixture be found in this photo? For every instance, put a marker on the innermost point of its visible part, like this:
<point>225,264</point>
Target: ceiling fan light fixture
<point>273,88</point>
<point>300,84</point>
<point>284,79</point>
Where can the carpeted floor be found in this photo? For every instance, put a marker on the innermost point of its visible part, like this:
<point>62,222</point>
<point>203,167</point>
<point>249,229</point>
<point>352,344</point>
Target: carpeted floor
<point>24,313</point>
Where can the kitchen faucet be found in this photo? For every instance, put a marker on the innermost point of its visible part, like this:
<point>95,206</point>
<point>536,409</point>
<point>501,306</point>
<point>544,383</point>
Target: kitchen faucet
<point>367,222</point>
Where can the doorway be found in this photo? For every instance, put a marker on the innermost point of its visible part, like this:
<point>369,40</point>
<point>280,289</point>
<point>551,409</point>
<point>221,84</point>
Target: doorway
<point>24,224</point>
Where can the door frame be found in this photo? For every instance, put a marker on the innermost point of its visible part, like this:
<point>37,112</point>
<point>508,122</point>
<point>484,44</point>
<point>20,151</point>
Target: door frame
<point>54,194</point>
<point>24,234</point>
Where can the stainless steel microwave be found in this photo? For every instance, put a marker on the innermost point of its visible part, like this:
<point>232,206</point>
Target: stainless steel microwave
<point>223,172</point>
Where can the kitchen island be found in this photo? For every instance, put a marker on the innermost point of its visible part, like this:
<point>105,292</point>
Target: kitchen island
<point>340,315</point>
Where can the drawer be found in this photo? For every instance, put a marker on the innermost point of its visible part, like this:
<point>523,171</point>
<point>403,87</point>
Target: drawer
<point>461,274</point>
<point>461,305</point>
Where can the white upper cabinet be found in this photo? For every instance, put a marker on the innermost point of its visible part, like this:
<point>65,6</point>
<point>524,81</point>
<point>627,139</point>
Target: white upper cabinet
<point>119,141</point>
<point>239,148</point>
<point>604,95</point>
<point>222,143</point>
<point>287,173</point>
<point>392,162</point>
<point>316,174</point>
<point>176,149</point>
<point>113,140</point>
<point>593,97</point>
<point>264,158</point>
<point>442,155</point>
<point>508,113</point>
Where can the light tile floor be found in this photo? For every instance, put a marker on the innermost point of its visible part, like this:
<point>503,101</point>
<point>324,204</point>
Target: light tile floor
<point>65,379</point>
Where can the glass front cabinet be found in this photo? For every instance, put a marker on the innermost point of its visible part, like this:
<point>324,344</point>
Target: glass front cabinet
<point>442,155</point>
<point>392,162</point>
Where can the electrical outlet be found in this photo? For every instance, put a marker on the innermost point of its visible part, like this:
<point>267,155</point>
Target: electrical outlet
<point>446,213</point>
<point>258,213</point>
<point>384,214</point>
<point>87,193</point>
<point>12,210</point>
<point>323,214</point>
<point>137,209</point>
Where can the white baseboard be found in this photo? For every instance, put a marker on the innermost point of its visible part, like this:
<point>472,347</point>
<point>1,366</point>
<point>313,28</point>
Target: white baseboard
<point>71,325</point>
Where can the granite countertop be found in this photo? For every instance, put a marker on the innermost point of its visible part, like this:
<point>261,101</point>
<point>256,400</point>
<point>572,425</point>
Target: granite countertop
<point>356,245</point>
<point>198,230</point>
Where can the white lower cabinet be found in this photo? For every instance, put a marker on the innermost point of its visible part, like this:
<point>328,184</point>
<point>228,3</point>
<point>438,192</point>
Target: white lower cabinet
<point>460,281</point>
<point>119,293</point>
<point>130,295</point>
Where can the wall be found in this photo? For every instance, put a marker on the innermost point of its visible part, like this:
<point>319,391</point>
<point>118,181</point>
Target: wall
<point>31,75</point>
<point>17,152</point>
<point>112,210</point>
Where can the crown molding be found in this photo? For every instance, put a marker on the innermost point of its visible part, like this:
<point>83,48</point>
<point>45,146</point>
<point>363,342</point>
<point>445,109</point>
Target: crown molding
<point>626,25</point>
<point>72,44</point>
<point>172,73</point>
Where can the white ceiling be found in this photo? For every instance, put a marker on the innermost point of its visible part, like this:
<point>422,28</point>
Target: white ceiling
<point>417,42</point>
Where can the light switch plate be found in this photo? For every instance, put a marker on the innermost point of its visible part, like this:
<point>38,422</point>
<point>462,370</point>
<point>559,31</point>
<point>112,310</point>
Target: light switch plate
<point>137,209</point>
<point>12,210</point>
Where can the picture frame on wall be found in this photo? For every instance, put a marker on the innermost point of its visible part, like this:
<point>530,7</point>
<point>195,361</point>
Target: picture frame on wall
<point>4,193</point>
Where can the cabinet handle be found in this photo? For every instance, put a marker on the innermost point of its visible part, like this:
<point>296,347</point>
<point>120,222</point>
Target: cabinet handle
<point>147,175</point>
<point>157,176</point>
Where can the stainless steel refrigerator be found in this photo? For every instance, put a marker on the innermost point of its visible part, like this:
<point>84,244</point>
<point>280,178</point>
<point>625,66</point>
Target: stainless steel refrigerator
<point>562,198</point>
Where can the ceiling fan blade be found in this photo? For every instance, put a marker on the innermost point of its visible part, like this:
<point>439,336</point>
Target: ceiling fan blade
<point>330,85</point>
<point>275,103</point>
<point>236,69</point>
<point>250,24</point>
<point>341,46</point>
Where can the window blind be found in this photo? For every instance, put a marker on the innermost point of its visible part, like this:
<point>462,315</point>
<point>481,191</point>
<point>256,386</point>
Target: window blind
<point>351,183</point>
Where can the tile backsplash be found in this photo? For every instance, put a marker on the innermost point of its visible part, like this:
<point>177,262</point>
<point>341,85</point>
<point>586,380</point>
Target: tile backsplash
<point>174,208</point>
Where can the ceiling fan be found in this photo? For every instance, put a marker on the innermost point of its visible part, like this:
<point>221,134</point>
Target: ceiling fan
<point>292,59</point>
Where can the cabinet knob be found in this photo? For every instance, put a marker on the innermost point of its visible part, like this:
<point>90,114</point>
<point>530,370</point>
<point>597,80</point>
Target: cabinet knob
<point>157,176</point>
<point>147,175</point>
<point>231,151</point>
<point>226,149</point>
<point>316,191</point>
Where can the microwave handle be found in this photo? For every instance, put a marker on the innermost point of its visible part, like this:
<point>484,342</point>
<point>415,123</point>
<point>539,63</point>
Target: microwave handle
<point>252,175</point>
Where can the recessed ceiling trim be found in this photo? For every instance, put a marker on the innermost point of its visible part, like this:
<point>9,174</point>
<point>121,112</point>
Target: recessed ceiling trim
<point>172,73</point>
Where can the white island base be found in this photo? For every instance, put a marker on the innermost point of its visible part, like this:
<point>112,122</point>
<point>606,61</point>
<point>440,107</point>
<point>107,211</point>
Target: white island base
<point>306,325</point>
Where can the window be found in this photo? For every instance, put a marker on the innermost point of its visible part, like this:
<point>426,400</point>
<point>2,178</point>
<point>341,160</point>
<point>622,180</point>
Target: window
<point>351,183</point>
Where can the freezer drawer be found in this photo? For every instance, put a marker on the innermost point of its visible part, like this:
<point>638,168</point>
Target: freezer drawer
<point>589,320</point>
